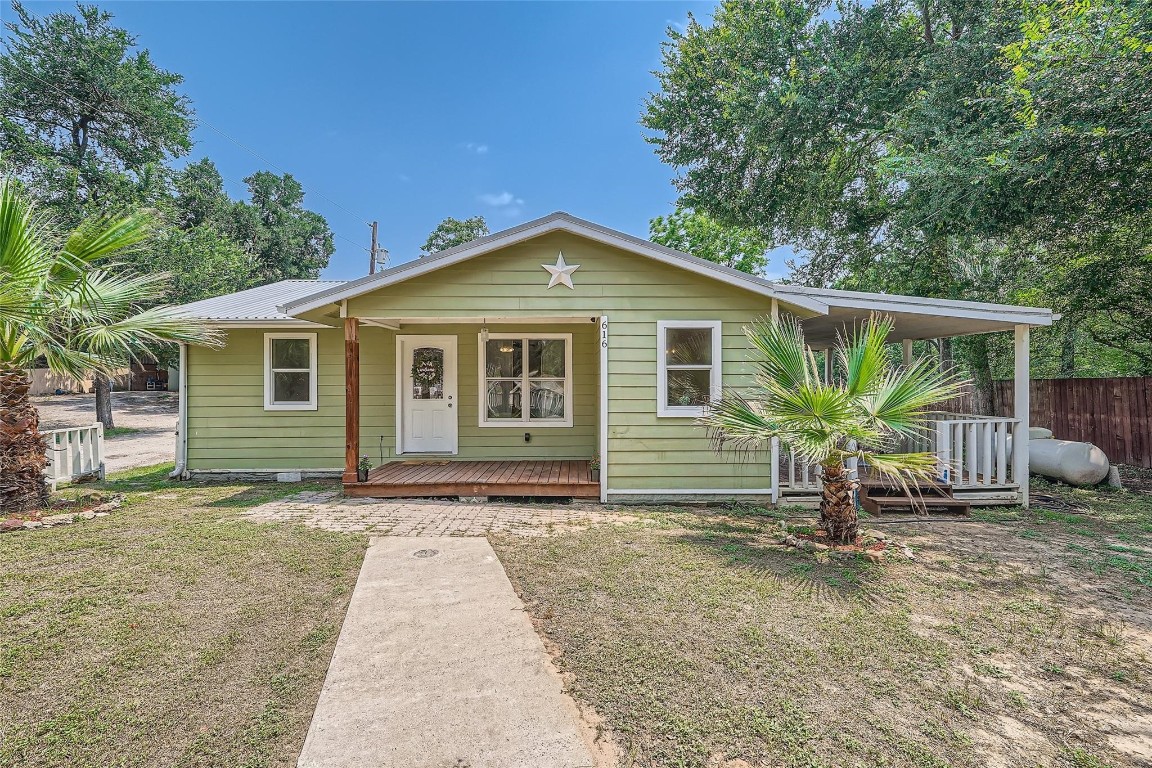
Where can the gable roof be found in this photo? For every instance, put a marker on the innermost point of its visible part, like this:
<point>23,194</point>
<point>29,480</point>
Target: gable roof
<point>258,304</point>
<point>554,222</point>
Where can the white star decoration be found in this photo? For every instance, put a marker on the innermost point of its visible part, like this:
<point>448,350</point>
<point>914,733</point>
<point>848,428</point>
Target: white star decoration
<point>561,273</point>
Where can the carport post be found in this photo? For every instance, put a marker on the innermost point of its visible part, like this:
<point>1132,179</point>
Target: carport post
<point>1022,385</point>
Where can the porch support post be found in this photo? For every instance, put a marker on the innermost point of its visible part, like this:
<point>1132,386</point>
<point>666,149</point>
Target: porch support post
<point>1020,439</point>
<point>827,365</point>
<point>351,397</point>
<point>907,353</point>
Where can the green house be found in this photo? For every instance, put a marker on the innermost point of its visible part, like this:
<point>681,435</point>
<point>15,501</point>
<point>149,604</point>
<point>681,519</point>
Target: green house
<point>504,365</point>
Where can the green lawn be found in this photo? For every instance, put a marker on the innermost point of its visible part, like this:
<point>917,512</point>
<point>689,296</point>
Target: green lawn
<point>121,431</point>
<point>177,633</point>
<point>172,633</point>
<point>1021,639</point>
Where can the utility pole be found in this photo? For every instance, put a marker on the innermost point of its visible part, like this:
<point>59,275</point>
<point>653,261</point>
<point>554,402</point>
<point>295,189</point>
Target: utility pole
<point>375,252</point>
<point>372,252</point>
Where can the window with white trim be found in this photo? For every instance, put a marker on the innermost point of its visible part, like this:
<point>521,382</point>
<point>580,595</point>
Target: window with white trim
<point>688,362</point>
<point>525,379</point>
<point>289,371</point>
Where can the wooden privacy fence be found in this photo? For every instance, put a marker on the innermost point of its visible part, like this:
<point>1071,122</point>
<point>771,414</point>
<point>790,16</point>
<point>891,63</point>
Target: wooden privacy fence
<point>1114,414</point>
<point>74,453</point>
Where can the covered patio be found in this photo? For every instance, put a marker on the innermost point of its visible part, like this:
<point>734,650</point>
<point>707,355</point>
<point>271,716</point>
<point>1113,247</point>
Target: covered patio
<point>982,458</point>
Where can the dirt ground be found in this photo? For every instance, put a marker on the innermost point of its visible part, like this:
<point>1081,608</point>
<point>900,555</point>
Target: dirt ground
<point>1010,638</point>
<point>150,415</point>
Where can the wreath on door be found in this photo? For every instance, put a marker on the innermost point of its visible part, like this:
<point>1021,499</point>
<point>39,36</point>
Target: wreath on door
<point>428,366</point>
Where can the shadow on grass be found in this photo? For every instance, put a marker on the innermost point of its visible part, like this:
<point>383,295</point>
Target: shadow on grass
<point>752,548</point>
<point>256,494</point>
<point>151,478</point>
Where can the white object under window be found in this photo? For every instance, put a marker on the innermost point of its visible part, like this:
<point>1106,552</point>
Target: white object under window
<point>526,379</point>
<point>688,358</point>
<point>289,371</point>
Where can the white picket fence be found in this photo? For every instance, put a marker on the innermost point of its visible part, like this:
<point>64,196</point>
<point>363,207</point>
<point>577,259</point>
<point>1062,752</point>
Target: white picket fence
<point>74,453</point>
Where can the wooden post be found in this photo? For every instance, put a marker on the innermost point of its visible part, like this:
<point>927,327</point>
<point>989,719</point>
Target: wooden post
<point>351,397</point>
<point>907,353</point>
<point>1020,439</point>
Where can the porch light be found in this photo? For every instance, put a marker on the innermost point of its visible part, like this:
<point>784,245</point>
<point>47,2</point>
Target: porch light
<point>484,334</point>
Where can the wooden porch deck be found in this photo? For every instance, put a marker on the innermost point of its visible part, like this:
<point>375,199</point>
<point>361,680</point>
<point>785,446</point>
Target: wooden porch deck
<point>444,477</point>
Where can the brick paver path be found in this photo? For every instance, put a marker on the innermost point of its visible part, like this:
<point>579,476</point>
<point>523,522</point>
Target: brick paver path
<point>427,517</point>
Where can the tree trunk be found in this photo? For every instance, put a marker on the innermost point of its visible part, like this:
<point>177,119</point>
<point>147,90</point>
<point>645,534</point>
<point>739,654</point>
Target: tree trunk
<point>103,386</point>
<point>1068,350</point>
<point>947,364</point>
<point>838,504</point>
<point>22,457</point>
<point>980,364</point>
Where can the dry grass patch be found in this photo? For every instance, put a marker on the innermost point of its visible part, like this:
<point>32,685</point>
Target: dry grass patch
<point>172,633</point>
<point>701,640</point>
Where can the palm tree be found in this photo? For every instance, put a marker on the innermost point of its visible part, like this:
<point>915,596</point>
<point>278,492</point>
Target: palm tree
<point>864,414</point>
<point>63,301</point>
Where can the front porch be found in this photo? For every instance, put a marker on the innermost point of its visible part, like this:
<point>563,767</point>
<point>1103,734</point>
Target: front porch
<point>444,477</point>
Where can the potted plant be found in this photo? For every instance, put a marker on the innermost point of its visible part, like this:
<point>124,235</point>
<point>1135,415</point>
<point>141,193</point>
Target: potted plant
<point>594,467</point>
<point>362,469</point>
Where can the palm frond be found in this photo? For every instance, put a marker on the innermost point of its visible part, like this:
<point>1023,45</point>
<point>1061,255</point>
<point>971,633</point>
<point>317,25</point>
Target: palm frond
<point>141,331</point>
<point>735,420</point>
<point>783,355</point>
<point>100,238</point>
<point>863,356</point>
<point>903,395</point>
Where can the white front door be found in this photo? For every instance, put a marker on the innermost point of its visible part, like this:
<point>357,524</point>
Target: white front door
<point>428,401</point>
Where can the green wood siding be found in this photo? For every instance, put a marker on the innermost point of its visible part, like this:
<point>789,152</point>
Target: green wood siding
<point>645,451</point>
<point>228,427</point>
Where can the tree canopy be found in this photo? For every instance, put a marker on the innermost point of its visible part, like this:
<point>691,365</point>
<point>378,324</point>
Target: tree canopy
<point>92,126</point>
<point>990,150</point>
<point>699,234</point>
<point>452,232</point>
<point>84,116</point>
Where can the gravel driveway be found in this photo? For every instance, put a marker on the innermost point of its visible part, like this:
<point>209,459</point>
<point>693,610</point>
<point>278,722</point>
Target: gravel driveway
<point>153,413</point>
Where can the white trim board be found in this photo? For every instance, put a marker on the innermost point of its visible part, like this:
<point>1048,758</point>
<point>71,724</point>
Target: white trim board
<point>269,376</point>
<point>603,341</point>
<point>715,368</point>
<point>689,491</point>
<point>526,393</point>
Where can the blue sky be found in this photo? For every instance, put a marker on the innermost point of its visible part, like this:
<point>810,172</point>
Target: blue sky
<point>410,112</point>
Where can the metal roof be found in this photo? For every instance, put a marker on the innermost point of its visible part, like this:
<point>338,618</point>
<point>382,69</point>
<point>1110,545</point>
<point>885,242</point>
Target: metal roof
<point>257,304</point>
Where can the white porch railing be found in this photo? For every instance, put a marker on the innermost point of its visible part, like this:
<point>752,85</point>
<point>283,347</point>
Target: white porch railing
<point>74,453</point>
<point>973,452</point>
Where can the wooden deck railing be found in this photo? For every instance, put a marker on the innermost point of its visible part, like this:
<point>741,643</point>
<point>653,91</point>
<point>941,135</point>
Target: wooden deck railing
<point>74,453</point>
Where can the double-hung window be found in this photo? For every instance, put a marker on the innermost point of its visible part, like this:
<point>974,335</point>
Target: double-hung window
<point>688,358</point>
<point>526,379</point>
<point>289,371</point>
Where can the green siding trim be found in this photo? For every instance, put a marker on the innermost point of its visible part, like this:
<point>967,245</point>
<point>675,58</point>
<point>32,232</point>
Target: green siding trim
<point>228,427</point>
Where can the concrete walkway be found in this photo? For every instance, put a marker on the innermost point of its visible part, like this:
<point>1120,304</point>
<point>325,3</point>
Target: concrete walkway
<point>438,666</point>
